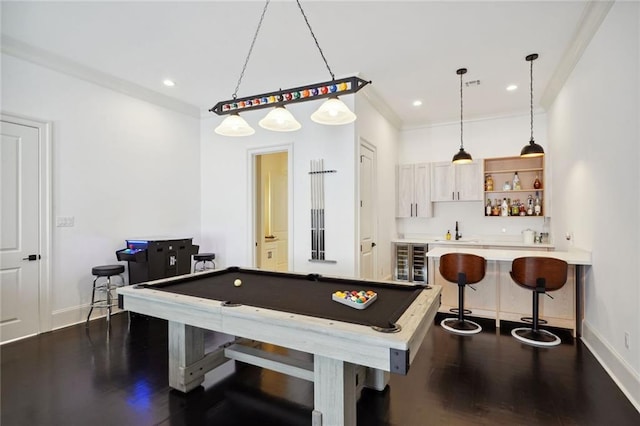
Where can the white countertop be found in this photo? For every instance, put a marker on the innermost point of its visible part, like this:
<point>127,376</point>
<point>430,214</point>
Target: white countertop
<point>573,257</point>
<point>480,242</point>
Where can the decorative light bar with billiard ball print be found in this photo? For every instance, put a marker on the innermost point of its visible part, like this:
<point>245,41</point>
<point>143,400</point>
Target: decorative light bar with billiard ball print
<point>310,92</point>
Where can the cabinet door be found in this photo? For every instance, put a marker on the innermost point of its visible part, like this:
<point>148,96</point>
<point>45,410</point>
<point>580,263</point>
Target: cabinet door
<point>405,191</point>
<point>270,256</point>
<point>442,182</point>
<point>422,192</point>
<point>469,182</point>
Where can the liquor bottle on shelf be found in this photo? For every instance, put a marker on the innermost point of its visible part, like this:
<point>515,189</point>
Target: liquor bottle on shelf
<point>516,182</point>
<point>529,205</point>
<point>537,208</point>
<point>489,183</point>
<point>515,208</point>
<point>504,208</point>
<point>537,184</point>
<point>487,210</point>
<point>495,211</point>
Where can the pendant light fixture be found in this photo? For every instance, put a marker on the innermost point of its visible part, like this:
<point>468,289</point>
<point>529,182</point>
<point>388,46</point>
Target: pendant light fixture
<point>234,125</point>
<point>462,156</point>
<point>280,120</point>
<point>532,149</point>
<point>332,112</point>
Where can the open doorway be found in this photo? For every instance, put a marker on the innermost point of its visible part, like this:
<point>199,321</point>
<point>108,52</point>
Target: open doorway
<point>272,211</point>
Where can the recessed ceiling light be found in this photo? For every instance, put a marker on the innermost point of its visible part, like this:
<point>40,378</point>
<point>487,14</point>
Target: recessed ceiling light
<point>417,103</point>
<point>169,83</point>
<point>512,87</point>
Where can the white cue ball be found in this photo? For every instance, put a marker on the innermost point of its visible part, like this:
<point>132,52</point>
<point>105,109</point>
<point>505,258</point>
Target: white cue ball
<point>237,283</point>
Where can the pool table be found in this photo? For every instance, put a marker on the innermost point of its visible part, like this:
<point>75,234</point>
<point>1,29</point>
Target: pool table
<point>295,311</point>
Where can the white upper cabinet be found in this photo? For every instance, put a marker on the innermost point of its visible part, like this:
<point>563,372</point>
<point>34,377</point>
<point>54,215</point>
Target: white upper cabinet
<point>457,182</point>
<point>443,184</point>
<point>414,198</point>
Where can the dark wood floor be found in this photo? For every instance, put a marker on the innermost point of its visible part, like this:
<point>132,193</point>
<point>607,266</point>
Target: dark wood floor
<point>88,377</point>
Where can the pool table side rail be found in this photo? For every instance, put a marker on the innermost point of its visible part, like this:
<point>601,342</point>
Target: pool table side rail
<point>420,317</point>
<point>196,276</point>
<point>349,342</point>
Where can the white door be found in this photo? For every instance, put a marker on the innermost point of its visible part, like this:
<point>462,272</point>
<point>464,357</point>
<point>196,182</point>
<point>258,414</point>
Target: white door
<point>367,212</point>
<point>19,236</point>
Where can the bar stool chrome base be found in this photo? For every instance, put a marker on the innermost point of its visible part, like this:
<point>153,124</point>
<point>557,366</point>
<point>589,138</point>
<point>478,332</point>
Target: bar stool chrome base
<point>106,287</point>
<point>465,327</point>
<point>203,261</point>
<point>540,338</point>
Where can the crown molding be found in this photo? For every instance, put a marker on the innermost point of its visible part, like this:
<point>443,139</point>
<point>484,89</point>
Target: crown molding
<point>38,56</point>
<point>594,13</point>
<point>536,112</point>
<point>379,103</point>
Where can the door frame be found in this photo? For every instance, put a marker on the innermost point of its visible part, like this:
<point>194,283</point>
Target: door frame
<point>374,201</point>
<point>44,213</point>
<point>252,153</point>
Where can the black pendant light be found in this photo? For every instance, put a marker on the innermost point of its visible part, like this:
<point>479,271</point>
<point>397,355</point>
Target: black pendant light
<point>462,156</point>
<point>532,149</point>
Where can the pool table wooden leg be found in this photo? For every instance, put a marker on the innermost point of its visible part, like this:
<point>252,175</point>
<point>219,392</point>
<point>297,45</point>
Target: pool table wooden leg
<point>376,379</point>
<point>334,392</point>
<point>186,346</point>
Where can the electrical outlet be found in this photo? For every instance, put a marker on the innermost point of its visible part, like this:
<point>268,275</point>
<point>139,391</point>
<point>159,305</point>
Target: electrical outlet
<point>627,340</point>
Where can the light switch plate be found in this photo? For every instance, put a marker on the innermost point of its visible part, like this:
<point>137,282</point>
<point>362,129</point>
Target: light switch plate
<point>65,221</point>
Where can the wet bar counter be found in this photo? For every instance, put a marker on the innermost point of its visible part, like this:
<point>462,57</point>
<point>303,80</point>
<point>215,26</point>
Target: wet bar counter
<point>498,297</point>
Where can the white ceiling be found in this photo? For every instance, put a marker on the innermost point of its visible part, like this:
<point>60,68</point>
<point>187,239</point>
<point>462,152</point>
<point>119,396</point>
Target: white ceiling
<point>410,50</point>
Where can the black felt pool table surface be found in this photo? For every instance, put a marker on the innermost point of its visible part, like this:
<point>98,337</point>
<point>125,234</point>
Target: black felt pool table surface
<point>300,294</point>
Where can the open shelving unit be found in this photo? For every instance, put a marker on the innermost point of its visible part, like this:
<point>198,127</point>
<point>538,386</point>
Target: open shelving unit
<point>503,169</point>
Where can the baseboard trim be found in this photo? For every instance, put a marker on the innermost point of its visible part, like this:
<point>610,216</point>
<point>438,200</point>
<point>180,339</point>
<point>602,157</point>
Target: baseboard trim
<point>618,369</point>
<point>77,315</point>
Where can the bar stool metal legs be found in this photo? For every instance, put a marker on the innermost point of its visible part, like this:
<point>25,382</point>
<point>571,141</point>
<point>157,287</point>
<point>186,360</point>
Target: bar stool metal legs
<point>462,269</point>
<point>538,275</point>
<point>203,261</point>
<point>107,272</point>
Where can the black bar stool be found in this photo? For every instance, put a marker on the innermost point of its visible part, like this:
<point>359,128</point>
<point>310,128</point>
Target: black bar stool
<point>462,269</point>
<point>106,286</point>
<point>204,261</point>
<point>539,275</point>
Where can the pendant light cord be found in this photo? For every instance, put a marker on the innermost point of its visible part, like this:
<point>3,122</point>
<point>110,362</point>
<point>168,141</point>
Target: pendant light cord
<point>316,40</point>
<point>246,61</point>
<point>531,93</point>
<point>255,36</point>
<point>461,144</point>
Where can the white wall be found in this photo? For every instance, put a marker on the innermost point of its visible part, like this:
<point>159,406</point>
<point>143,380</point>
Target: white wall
<point>593,124</point>
<point>227,190</point>
<point>498,137</point>
<point>375,130</point>
<point>122,167</point>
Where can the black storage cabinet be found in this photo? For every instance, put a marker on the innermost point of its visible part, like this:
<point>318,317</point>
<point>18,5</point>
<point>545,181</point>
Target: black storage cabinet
<point>153,259</point>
